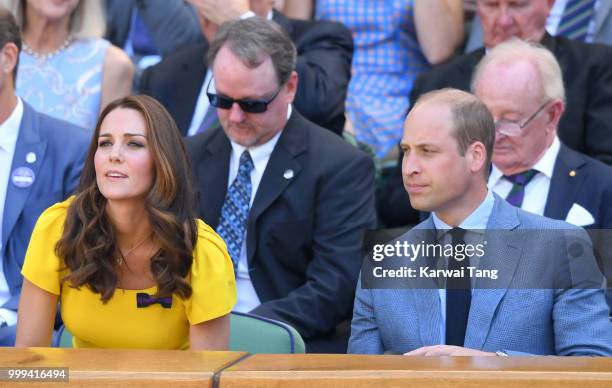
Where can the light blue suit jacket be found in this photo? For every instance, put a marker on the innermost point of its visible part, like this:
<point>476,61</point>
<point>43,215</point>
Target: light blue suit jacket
<point>545,321</point>
<point>60,149</point>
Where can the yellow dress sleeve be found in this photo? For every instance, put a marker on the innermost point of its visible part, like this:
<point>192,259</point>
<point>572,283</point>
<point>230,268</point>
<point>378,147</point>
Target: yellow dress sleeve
<point>212,278</point>
<point>41,266</point>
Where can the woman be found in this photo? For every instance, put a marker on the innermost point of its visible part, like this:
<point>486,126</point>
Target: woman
<point>130,263</point>
<point>65,69</point>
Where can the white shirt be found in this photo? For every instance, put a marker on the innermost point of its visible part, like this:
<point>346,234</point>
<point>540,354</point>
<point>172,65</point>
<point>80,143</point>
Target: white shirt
<point>556,13</point>
<point>247,297</point>
<point>9,131</point>
<point>202,104</point>
<point>536,191</point>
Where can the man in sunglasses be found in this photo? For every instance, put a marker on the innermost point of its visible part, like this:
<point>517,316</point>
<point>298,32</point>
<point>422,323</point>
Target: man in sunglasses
<point>290,199</point>
<point>325,51</point>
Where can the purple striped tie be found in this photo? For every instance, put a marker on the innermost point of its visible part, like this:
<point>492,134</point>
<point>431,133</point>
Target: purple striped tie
<point>519,181</point>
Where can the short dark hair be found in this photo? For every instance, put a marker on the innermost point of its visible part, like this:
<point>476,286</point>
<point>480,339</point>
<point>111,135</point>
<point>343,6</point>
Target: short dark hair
<point>472,121</point>
<point>9,33</point>
<point>252,40</point>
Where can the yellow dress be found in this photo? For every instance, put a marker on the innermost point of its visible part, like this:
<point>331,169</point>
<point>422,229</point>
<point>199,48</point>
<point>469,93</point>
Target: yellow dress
<point>119,323</point>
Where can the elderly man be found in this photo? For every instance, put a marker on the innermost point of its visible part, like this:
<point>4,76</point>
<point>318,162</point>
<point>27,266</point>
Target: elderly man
<point>522,86</point>
<point>586,124</point>
<point>40,163</point>
<point>290,199</point>
<point>325,51</point>
<point>448,139</point>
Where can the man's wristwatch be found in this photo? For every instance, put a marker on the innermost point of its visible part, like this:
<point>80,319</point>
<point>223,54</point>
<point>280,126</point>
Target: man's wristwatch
<point>501,353</point>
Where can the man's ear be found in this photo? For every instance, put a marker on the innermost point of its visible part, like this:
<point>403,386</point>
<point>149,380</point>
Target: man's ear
<point>291,86</point>
<point>477,156</point>
<point>8,58</point>
<point>554,113</point>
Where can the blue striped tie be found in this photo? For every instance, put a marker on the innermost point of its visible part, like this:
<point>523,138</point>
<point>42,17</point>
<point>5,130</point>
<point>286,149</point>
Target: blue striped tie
<point>576,17</point>
<point>235,210</point>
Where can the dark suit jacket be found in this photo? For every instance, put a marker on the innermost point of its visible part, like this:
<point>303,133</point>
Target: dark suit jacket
<point>172,23</point>
<point>325,52</point>
<point>57,169</point>
<point>586,125</point>
<point>304,233</point>
<point>590,187</point>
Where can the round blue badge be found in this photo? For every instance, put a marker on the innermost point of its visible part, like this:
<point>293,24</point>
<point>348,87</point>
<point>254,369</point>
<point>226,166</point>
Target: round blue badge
<point>22,177</point>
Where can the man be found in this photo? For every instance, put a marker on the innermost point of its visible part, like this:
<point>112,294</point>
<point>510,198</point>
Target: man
<point>586,124</point>
<point>290,199</point>
<point>325,51</point>
<point>447,142</point>
<point>40,163</point>
<point>522,86</point>
<point>585,20</point>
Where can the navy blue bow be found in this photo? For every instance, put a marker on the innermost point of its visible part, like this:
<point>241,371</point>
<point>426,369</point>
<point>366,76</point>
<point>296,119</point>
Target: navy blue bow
<point>145,300</point>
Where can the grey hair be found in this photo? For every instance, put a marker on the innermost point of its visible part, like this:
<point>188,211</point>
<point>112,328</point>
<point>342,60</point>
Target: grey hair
<point>542,59</point>
<point>87,19</point>
<point>254,39</point>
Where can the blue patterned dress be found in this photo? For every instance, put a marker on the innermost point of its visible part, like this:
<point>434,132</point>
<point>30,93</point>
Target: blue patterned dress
<point>67,85</point>
<point>386,61</point>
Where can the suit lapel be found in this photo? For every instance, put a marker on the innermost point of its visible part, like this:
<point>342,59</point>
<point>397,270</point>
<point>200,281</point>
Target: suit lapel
<point>282,169</point>
<point>424,292</point>
<point>212,170</point>
<point>563,185</point>
<point>505,247</point>
<point>28,141</point>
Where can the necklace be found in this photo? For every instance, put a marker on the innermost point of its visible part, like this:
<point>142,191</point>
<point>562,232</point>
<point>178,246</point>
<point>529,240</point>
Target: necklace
<point>43,57</point>
<point>122,257</point>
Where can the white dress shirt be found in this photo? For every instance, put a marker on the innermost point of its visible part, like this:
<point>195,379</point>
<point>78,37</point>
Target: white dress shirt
<point>9,131</point>
<point>247,297</point>
<point>536,191</point>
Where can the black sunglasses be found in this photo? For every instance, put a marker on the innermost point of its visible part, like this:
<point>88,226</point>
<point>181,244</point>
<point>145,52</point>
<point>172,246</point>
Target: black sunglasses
<point>249,106</point>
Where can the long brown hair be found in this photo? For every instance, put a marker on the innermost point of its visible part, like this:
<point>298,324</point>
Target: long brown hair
<point>88,245</point>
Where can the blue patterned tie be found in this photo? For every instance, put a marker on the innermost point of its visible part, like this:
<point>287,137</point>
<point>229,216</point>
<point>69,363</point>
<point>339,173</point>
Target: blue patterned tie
<point>235,210</point>
<point>519,181</point>
<point>576,17</point>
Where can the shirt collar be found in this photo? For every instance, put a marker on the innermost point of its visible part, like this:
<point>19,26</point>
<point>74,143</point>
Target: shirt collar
<point>9,129</point>
<point>476,221</point>
<point>545,165</point>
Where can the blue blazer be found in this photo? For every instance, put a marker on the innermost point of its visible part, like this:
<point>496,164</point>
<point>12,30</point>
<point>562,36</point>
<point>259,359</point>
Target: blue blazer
<point>60,150</point>
<point>544,321</point>
<point>590,186</point>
